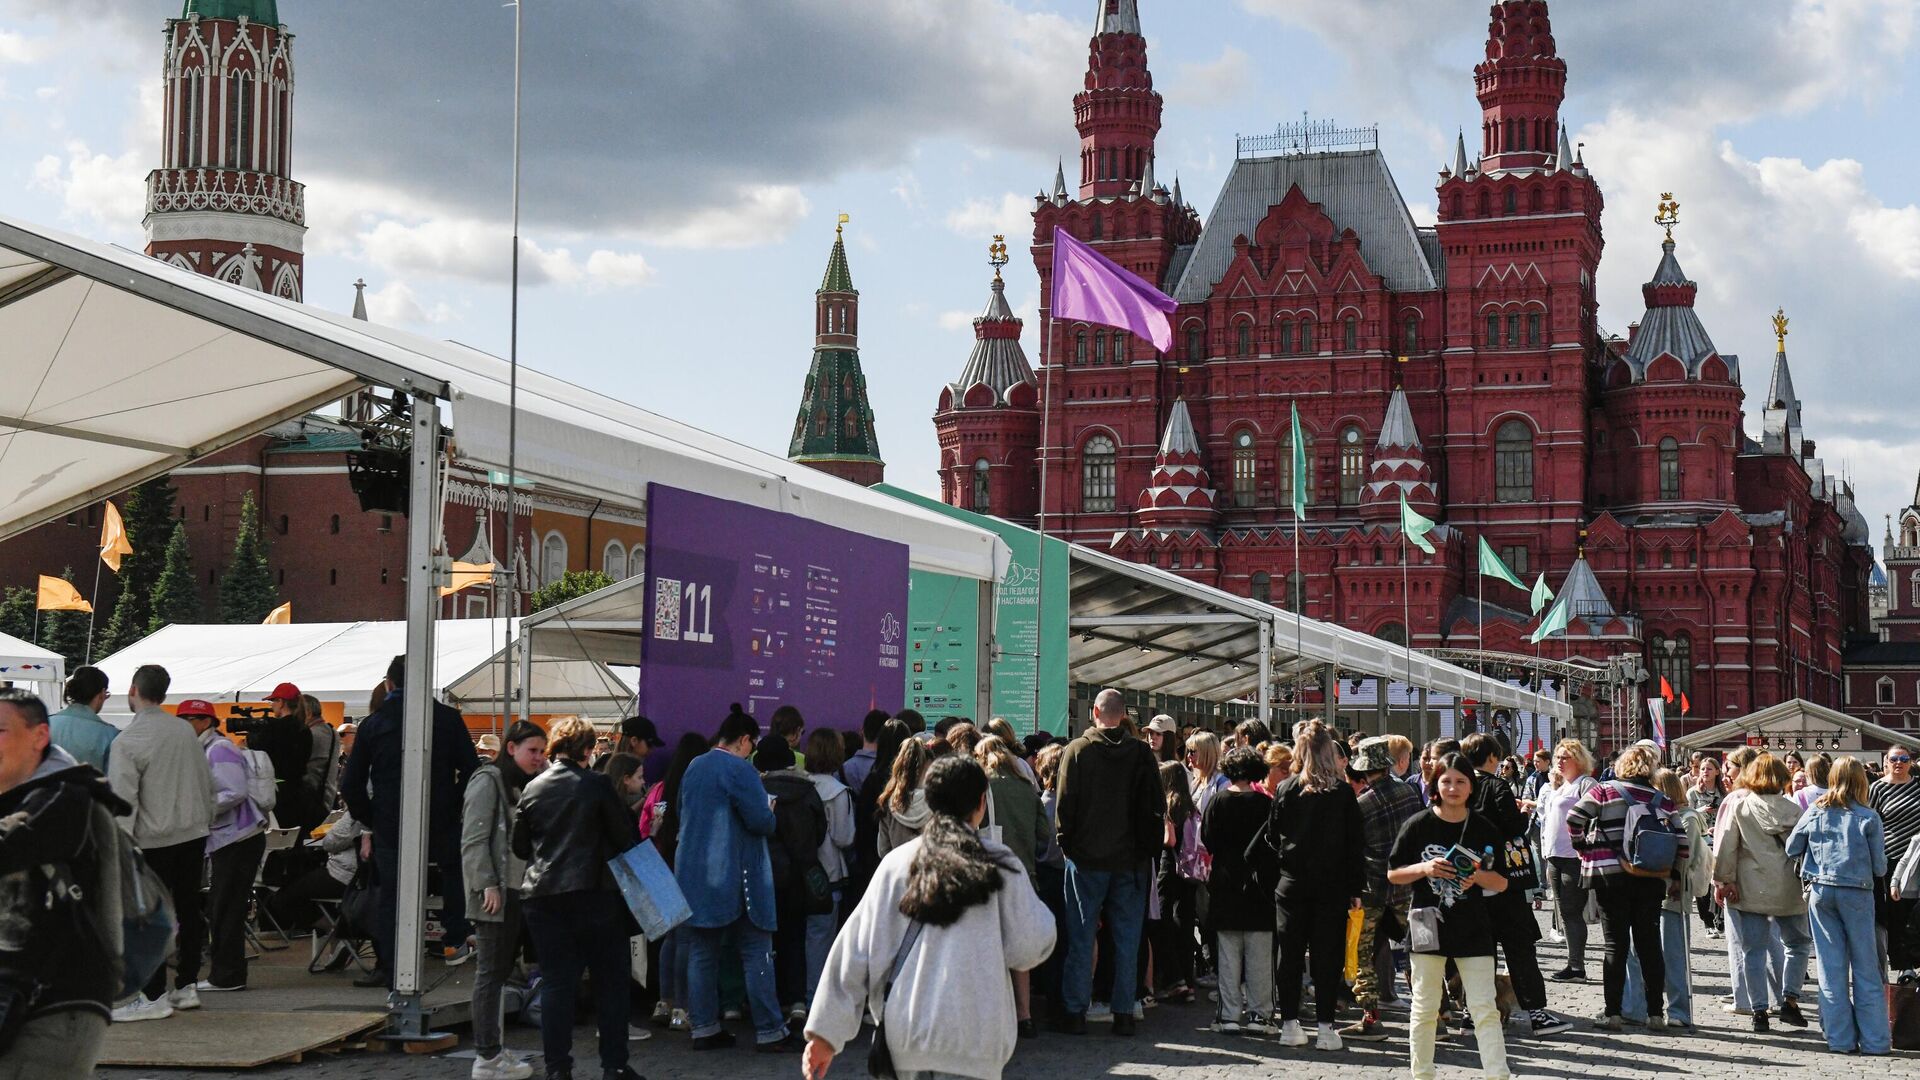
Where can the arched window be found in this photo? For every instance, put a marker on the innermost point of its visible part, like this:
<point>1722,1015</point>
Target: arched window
<point>1671,658</point>
<point>553,558</point>
<point>1099,349</point>
<point>1513,463</point>
<point>1513,201</point>
<point>1410,335</point>
<point>850,426</point>
<point>1286,338</point>
<point>1285,492</point>
<point>1296,592</point>
<point>1352,330</point>
<point>1883,691</point>
<point>1098,475</point>
<point>1119,347</point>
<point>1566,194</point>
<point>1392,634</point>
<point>1306,335</point>
<point>1080,348</point>
<point>1243,338</point>
<point>239,120</point>
<point>1095,233</point>
<point>1196,344</point>
<point>820,422</point>
<point>1245,469</point>
<point>613,560</point>
<point>1262,588</point>
<point>1353,465</point>
<point>1669,468</point>
<point>193,104</point>
<point>1916,589</point>
<point>982,489</point>
<point>1533,327</point>
<point>1493,331</point>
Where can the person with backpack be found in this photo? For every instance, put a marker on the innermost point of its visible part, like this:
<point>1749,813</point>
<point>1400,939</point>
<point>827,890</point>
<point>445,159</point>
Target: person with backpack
<point>1842,845</point>
<point>1623,830</point>
<point>825,755</point>
<point>1693,877</point>
<point>324,763</point>
<point>1015,817</point>
<point>1244,870</point>
<point>494,877</point>
<point>235,845</point>
<point>59,969</point>
<point>799,884</point>
<point>1179,872</point>
<point>1761,889</point>
<point>160,769</point>
<point>1386,805</point>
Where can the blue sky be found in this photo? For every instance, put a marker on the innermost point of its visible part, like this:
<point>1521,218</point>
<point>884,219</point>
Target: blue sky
<point>685,164</point>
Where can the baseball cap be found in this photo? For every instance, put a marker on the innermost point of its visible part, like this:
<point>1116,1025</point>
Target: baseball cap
<point>1163,724</point>
<point>286,691</point>
<point>639,727</point>
<point>194,707</point>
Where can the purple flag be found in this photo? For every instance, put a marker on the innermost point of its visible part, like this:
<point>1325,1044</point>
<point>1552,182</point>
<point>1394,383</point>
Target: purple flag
<point>1089,286</point>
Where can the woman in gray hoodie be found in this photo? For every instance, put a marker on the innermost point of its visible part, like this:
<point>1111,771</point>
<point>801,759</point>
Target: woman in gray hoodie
<point>903,803</point>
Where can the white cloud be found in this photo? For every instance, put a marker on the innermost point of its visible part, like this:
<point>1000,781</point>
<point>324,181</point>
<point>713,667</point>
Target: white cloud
<point>399,305</point>
<point>98,191</point>
<point>17,48</point>
<point>756,215</point>
<point>907,189</point>
<point>1011,215</point>
<point>1216,82</point>
<point>464,249</point>
<point>954,321</point>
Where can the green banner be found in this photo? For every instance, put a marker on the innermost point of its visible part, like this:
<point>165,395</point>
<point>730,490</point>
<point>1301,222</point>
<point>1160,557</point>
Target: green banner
<point>943,645</point>
<point>1030,685</point>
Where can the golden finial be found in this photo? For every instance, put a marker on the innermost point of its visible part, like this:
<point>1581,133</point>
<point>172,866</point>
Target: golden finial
<point>1669,214</point>
<point>997,254</point>
<point>841,228</point>
<point>1780,321</point>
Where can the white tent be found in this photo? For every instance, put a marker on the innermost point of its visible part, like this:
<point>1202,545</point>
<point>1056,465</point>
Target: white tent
<point>343,661</point>
<point>1797,725</point>
<point>25,662</point>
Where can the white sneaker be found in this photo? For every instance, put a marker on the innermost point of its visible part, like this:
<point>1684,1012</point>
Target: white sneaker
<point>142,1008</point>
<point>635,1033</point>
<point>1261,1027</point>
<point>1227,1027</point>
<point>680,1022</point>
<point>1292,1035</point>
<point>1328,1039</point>
<point>662,1012</point>
<point>1100,1013</point>
<point>187,997</point>
<point>503,1066</point>
<point>1555,937</point>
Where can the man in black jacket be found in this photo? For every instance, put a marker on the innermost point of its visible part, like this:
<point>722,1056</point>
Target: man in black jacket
<point>1111,816</point>
<point>55,969</point>
<point>1513,923</point>
<point>372,788</point>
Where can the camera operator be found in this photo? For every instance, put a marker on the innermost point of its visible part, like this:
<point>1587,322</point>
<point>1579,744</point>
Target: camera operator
<point>287,742</point>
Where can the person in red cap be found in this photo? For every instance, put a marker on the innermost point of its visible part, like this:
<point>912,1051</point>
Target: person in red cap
<point>234,849</point>
<point>287,742</point>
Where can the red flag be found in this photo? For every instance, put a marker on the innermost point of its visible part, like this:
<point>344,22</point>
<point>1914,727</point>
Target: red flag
<point>1666,690</point>
<point>1685,707</point>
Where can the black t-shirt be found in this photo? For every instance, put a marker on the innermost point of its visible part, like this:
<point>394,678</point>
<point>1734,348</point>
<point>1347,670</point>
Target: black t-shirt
<point>1466,928</point>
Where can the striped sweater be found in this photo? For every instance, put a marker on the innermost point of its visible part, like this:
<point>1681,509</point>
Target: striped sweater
<point>1598,825</point>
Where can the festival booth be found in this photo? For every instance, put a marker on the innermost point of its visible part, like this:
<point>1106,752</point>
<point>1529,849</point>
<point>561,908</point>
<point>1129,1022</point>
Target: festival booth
<point>23,663</point>
<point>1796,725</point>
<point>150,366</point>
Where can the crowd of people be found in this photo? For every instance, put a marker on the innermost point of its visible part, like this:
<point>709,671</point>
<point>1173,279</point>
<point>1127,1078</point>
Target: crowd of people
<point>962,887</point>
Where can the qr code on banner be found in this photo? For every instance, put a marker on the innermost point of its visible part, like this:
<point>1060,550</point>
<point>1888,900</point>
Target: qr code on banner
<point>666,609</point>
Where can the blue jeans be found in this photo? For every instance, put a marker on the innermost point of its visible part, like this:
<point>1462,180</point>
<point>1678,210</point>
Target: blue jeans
<point>1745,995</point>
<point>821,930</point>
<point>1847,944</point>
<point>1795,937</point>
<point>1674,950</point>
<point>577,933</point>
<point>673,967</point>
<point>703,946</point>
<point>1121,895</point>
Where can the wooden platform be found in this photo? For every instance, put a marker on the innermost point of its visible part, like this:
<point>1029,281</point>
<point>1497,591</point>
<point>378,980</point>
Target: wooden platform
<point>232,1039</point>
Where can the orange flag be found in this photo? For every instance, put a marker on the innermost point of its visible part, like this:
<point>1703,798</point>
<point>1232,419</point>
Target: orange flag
<point>58,594</point>
<point>1666,690</point>
<point>467,575</point>
<point>113,539</point>
<point>280,616</point>
<point>1685,706</point>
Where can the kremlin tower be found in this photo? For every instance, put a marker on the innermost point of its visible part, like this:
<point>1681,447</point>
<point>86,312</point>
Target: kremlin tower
<point>834,431</point>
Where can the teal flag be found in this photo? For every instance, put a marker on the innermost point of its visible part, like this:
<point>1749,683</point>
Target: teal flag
<point>1417,527</point>
<point>1300,479</point>
<point>1492,565</point>
<point>1542,596</point>
<point>1555,622</point>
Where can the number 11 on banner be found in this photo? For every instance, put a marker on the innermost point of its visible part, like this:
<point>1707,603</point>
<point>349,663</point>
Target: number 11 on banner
<point>699,602</point>
<point>682,611</point>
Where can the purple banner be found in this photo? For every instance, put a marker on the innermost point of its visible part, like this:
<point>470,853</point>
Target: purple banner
<point>766,609</point>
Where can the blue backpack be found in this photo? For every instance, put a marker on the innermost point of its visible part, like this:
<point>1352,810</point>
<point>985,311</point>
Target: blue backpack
<point>1651,843</point>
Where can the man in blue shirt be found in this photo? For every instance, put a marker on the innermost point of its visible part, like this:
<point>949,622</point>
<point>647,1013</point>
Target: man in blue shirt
<point>78,729</point>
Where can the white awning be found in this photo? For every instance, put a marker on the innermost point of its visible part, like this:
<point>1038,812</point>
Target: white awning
<point>25,662</point>
<point>123,368</point>
<point>1798,725</point>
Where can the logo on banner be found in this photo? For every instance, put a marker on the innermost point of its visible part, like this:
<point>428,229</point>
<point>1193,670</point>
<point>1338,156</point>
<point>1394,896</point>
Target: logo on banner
<point>889,628</point>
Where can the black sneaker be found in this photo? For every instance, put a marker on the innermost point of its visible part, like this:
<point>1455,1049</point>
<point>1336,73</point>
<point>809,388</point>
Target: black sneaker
<point>719,1040</point>
<point>1545,1023</point>
<point>787,1044</point>
<point>1790,1013</point>
<point>1123,1024</point>
<point>1029,1030</point>
<point>1760,1024</point>
<point>1072,1024</point>
<point>373,979</point>
<point>1570,974</point>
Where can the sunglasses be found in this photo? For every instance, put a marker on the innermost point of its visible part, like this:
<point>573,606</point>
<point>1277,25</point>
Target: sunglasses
<point>1898,759</point>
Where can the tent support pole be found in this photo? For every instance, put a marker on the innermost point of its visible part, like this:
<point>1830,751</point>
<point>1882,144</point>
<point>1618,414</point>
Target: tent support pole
<point>983,658</point>
<point>525,699</point>
<point>406,1019</point>
<point>1329,701</point>
<point>1265,697</point>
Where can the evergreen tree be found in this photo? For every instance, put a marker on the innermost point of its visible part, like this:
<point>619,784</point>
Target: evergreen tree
<point>16,612</point>
<point>65,632</point>
<point>149,516</point>
<point>247,591</point>
<point>175,597</point>
<point>576,583</point>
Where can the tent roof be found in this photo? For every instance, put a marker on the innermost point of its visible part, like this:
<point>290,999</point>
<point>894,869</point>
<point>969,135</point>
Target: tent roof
<point>23,661</point>
<point>1788,711</point>
<point>343,661</point>
<point>141,367</point>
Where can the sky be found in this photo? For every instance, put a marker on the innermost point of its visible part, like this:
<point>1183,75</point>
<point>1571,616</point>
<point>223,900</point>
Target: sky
<point>684,165</point>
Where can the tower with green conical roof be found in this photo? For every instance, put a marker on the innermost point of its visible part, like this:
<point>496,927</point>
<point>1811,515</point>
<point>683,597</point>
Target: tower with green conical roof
<point>834,431</point>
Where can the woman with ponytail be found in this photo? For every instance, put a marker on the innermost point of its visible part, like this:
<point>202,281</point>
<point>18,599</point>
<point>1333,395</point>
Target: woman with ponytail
<point>954,913</point>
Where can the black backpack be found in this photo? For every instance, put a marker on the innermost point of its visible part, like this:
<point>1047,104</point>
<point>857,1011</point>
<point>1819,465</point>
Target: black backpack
<point>799,828</point>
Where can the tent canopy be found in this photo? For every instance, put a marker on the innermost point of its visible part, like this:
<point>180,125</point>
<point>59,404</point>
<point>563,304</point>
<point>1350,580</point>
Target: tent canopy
<point>1142,628</point>
<point>25,662</point>
<point>135,367</point>
<point>344,661</point>
<point>1801,722</point>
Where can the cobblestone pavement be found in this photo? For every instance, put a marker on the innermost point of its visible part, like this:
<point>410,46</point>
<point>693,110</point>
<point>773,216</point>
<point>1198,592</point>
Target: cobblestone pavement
<point>1174,1043</point>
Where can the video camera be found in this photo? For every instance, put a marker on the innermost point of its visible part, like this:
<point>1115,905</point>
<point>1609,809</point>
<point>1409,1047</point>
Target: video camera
<point>246,719</point>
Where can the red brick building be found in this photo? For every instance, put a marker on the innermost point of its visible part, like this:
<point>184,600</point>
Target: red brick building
<point>1463,365</point>
<point>1883,670</point>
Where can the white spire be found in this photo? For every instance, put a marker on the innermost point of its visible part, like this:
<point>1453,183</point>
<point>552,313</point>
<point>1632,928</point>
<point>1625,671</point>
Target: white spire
<point>1180,438</point>
<point>1146,179</point>
<point>1460,155</point>
<point>1060,183</point>
<point>1117,17</point>
<point>1398,432</point>
<point>1177,200</point>
<point>360,300</point>
<point>1565,159</point>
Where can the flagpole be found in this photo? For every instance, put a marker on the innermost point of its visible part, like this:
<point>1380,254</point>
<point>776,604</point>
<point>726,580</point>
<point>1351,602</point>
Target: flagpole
<point>1040,515</point>
<point>1482,574</point>
<point>1406,605</point>
<point>94,605</point>
<point>512,605</point>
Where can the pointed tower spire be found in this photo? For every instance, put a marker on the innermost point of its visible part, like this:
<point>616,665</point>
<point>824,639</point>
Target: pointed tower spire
<point>1564,160</point>
<point>835,432</point>
<point>1399,465</point>
<point>1146,180</point>
<point>360,299</point>
<point>1460,155</point>
<point>1117,17</point>
<point>1178,199</point>
<point>1060,184</point>
<point>1180,492</point>
<point>1521,86</point>
<point>1118,112</point>
<point>1780,417</point>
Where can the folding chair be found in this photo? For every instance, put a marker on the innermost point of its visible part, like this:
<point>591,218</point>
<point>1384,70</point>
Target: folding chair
<point>278,839</point>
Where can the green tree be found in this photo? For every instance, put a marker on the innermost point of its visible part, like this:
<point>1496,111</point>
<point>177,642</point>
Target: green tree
<point>65,632</point>
<point>175,597</point>
<point>149,515</point>
<point>576,583</point>
<point>247,591</point>
<point>16,613</point>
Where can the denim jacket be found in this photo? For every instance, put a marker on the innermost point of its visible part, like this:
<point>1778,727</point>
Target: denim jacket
<point>722,863</point>
<point>1843,848</point>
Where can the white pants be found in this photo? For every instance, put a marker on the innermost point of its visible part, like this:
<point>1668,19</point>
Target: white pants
<point>1430,989</point>
<point>1245,955</point>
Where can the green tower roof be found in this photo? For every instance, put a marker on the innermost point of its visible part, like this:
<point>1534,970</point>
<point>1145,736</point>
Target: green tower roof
<point>260,11</point>
<point>836,419</point>
<point>838,278</point>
